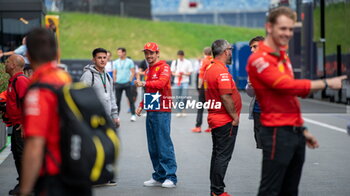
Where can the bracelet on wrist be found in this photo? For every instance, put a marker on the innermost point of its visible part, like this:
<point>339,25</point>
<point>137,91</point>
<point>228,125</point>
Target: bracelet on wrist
<point>325,84</point>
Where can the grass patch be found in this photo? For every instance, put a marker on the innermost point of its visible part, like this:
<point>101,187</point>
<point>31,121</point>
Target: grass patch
<point>4,77</point>
<point>337,18</point>
<point>81,33</point>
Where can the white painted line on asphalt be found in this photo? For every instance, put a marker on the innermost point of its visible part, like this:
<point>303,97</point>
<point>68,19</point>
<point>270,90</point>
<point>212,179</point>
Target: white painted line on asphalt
<point>323,103</point>
<point>5,153</point>
<point>325,125</point>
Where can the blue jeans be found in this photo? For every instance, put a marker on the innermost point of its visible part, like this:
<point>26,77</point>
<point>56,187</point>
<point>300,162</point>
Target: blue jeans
<point>160,146</point>
<point>182,92</point>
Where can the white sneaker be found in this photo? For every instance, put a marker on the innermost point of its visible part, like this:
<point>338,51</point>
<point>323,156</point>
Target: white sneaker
<point>168,184</point>
<point>178,115</point>
<point>152,182</point>
<point>133,118</point>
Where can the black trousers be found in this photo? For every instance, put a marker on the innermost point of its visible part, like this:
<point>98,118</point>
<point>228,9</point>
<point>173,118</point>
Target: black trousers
<point>283,159</point>
<point>201,98</point>
<point>17,148</point>
<point>257,127</point>
<point>54,186</point>
<point>119,88</point>
<point>224,139</point>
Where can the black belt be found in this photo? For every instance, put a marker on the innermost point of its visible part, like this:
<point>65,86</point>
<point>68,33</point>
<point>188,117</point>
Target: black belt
<point>295,129</point>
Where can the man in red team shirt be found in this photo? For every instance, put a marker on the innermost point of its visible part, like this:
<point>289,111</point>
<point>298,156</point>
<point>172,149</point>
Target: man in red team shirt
<point>201,97</point>
<point>220,87</point>
<point>283,134</point>
<point>41,156</point>
<point>160,146</point>
<point>16,90</point>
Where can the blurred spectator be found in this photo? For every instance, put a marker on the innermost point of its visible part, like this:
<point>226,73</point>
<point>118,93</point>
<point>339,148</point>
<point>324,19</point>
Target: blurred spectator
<point>16,90</point>
<point>21,50</point>
<point>181,68</point>
<point>254,108</point>
<point>141,70</point>
<point>109,65</point>
<point>207,60</point>
<point>123,74</point>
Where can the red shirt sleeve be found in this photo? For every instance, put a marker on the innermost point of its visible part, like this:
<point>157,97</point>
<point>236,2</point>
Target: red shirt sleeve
<point>163,80</point>
<point>39,106</point>
<point>270,76</point>
<point>224,82</point>
<point>141,104</point>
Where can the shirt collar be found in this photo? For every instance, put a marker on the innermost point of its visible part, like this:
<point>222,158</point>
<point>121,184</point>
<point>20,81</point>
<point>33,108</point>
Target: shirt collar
<point>44,68</point>
<point>270,51</point>
<point>219,63</point>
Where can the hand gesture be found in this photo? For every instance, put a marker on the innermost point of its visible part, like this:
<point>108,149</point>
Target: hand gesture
<point>336,82</point>
<point>138,111</point>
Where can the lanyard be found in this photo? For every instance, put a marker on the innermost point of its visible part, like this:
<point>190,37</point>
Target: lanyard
<point>103,79</point>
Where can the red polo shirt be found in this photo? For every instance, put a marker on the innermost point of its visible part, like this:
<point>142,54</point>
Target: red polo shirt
<point>218,81</point>
<point>14,109</point>
<point>157,79</point>
<point>41,112</point>
<point>205,63</point>
<point>272,77</point>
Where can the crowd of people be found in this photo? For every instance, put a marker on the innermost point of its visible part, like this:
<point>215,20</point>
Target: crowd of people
<point>278,126</point>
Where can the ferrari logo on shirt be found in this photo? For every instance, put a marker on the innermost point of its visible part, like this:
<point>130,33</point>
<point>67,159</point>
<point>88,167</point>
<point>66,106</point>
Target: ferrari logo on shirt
<point>157,68</point>
<point>281,67</point>
<point>205,85</point>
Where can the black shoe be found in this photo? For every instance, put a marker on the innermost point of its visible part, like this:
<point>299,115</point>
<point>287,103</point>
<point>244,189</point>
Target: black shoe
<point>15,190</point>
<point>110,183</point>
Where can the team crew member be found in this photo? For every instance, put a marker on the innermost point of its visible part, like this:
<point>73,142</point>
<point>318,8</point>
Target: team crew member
<point>201,97</point>
<point>16,90</point>
<point>283,134</point>
<point>220,87</point>
<point>254,108</point>
<point>160,146</point>
<point>40,170</point>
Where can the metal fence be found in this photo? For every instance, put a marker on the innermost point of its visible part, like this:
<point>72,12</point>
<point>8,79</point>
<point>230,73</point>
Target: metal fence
<point>253,19</point>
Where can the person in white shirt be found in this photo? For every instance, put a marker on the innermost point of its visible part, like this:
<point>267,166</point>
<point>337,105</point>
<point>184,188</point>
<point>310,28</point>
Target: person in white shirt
<point>181,69</point>
<point>109,65</point>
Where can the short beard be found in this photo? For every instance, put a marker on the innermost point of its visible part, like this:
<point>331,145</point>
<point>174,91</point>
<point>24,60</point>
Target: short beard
<point>229,60</point>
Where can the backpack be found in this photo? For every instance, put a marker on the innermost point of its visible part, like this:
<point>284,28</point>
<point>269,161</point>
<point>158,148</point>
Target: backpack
<point>19,101</point>
<point>88,141</point>
<point>93,78</point>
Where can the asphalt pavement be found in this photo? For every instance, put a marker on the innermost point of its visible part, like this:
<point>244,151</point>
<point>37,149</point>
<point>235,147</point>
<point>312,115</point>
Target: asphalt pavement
<point>326,170</point>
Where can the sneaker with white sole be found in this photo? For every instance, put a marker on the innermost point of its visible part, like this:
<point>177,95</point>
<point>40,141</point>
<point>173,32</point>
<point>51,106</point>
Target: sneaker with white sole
<point>152,182</point>
<point>133,118</point>
<point>168,184</point>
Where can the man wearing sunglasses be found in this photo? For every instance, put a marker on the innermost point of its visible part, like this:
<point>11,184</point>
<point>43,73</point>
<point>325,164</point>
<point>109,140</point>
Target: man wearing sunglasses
<point>220,88</point>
